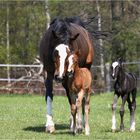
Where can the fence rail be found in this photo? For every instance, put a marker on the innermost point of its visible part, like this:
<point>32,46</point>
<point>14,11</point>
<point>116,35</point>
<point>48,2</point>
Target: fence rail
<point>28,77</point>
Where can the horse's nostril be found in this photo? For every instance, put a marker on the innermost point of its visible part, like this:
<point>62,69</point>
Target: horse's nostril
<point>58,78</point>
<point>55,77</point>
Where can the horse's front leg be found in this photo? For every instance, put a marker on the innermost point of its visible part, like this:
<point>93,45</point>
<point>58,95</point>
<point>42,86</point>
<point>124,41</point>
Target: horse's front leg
<point>49,98</point>
<point>113,112</point>
<point>124,98</point>
<point>69,99</point>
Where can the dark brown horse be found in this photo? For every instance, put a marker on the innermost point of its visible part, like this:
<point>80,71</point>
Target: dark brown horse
<point>79,83</point>
<point>125,86</point>
<point>62,36</point>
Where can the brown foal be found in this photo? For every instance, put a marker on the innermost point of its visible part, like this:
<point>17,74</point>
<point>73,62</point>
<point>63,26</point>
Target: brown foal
<point>79,82</point>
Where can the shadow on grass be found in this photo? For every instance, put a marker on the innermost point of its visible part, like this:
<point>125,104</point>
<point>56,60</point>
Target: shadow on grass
<point>41,128</point>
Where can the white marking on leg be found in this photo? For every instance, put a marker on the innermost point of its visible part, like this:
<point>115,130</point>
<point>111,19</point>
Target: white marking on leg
<point>71,123</point>
<point>49,121</point>
<point>132,123</point>
<point>87,131</point>
<point>113,122</point>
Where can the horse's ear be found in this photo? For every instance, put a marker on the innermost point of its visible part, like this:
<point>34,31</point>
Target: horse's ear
<point>74,37</point>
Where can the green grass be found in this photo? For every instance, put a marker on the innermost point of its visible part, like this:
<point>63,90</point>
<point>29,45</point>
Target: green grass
<point>23,117</point>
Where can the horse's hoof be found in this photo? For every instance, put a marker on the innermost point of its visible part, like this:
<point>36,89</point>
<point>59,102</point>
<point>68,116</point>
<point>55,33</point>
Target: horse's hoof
<point>122,130</point>
<point>113,130</point>
<point>87,133</point>
<point>79,130</point>
<point>50,129</point>
<point>74,133</point>
<point>132,130</point>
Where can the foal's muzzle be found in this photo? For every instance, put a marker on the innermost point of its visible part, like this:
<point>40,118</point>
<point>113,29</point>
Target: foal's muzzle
<point>113,76</point>
<point>70,74</point>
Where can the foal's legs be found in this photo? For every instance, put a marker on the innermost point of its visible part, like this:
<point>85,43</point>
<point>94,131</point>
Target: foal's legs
<point>87,109</point>
<point>79,110</point>
<point>113,112</point>
<point>124,98</point>
<point>132,111</point>
<point>73,112</point>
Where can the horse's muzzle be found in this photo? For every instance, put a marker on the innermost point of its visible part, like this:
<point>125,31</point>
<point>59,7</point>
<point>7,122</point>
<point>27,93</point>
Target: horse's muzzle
<point>58,78</point>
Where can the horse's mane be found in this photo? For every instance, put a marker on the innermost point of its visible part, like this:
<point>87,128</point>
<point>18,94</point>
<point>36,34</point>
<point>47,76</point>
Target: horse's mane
<point>75,20</point>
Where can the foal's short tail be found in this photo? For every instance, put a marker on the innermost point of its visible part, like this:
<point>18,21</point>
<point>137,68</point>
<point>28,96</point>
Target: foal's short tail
<point>134,92</point>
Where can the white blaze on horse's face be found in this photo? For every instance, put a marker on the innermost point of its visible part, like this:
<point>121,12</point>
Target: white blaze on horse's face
<point>114,65</point>
<point>62,52</point>
<point>70,61</point>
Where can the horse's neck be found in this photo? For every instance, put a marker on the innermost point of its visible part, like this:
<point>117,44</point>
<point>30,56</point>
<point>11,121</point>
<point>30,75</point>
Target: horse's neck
<point>121,77</point>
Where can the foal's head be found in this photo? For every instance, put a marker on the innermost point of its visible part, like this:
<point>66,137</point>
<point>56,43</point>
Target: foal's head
<point>116,67</point>
<point>72,63</point>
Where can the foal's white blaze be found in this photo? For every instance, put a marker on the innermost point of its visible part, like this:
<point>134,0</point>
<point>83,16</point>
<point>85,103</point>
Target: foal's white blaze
<point>114,65</point>
<point>62,51</point>
<point>70,60</point>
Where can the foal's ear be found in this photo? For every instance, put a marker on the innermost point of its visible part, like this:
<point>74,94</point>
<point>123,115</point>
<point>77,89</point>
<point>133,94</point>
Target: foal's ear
<point>121,60</point>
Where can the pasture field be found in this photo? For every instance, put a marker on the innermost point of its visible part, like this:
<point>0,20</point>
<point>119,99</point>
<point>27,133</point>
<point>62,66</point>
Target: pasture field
<point>23,117</point>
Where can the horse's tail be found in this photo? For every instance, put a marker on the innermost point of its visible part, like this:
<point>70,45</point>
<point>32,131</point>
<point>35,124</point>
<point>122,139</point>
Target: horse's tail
<point>134,91</point>
<point>134,77</point>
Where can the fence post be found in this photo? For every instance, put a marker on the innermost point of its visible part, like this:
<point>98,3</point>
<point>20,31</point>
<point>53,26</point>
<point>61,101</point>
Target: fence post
<point>108,80</point>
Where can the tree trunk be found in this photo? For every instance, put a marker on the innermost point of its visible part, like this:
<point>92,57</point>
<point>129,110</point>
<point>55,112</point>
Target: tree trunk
<point>100,40</point>
<point>7,43</point>
<point>47,14</point>
<point>100,44</point>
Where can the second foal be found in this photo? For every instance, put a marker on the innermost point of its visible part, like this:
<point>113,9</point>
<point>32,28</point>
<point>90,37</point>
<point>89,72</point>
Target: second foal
<point>79,82</point>
<point>125,86</point>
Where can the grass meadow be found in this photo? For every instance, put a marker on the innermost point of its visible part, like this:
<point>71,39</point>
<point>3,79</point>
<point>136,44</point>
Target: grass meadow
<point>23,117</point>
